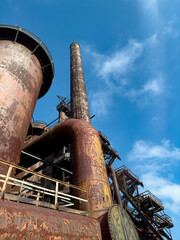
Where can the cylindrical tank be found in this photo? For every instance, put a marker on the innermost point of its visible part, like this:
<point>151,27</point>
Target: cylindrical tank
<point>79,102</point>
<point>21,77</point>
<point>24,221</point>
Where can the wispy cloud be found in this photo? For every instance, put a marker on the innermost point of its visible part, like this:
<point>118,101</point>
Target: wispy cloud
<point>113,74</point>
<point>170,30</point>
<point>156,123</point>
<point>100,101</point>
<point>165,189</point>
<point>155,172</point>
<point>113,68</point>
<point>150,5</point>
<point>153,87</point>
<point>152,41</point>
<point>121,61</point>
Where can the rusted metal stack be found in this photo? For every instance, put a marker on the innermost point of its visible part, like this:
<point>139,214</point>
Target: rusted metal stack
<point>79,102</point>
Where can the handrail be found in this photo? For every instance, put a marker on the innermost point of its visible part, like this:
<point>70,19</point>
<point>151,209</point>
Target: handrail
<point>33,187</point>
<point>161,217</point>
<point>41,175</point>
<point>152,196</point>
<point>128,170</point>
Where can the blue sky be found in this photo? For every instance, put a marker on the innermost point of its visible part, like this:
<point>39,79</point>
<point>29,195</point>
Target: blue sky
<point>131,60</point>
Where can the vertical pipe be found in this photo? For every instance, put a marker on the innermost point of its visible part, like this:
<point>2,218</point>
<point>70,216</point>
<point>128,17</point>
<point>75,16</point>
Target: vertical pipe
<point>20,82</point>
<point>89,169</point>
<point>112,174</point>
<point>79,102</point>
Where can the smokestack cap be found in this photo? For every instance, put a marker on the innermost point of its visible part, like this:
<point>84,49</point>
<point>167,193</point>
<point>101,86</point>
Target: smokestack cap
<point>37,47</point>
<point>74,43</point>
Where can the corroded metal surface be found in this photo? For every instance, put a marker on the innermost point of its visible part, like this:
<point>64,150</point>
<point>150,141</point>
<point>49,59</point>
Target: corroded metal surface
<point>22,221</point>
<point>89,170</point>
<point>103,220</point>
<point>120,224</point>
<point>20,82</point>
<point>17,34</point>
<point>112,175</point>
<point>79,102</point>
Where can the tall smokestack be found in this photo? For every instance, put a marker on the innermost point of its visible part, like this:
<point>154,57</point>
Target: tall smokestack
<point>26,72</point>
<point>79,102</point>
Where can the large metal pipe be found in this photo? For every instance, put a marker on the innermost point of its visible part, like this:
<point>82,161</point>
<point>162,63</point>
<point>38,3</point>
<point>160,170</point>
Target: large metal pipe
<point>21,77</point>
<point>79,102</point>
<point>89,170</point>
<point>22,221</point>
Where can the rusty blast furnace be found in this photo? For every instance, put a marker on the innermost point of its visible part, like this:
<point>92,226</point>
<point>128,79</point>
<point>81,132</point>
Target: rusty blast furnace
<point>56,179</point>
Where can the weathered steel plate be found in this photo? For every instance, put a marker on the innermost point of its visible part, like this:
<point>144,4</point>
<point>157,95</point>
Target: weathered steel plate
<point>120,224</point>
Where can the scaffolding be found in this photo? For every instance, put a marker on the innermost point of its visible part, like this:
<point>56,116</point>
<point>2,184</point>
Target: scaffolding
<point>145,209</point>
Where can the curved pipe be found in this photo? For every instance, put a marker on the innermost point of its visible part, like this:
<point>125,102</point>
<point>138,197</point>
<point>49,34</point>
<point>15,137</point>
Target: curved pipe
<point>89,169</point>
<point>112,174</point>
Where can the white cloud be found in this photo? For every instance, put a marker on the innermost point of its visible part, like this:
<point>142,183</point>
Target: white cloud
<point>155,172</point>
<point>152,88</point>
<point>147,150</point>
<point>121,61</point>
<point>111,70</point>
<point>163,188</point>
<point>113,73</point>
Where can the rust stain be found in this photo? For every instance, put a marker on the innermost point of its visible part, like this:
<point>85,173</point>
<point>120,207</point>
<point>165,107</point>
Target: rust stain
<point>21,221</point>
<point>89,170</point>
<point>21,78</point>
<point>120,224</point>
<point>79,101</point>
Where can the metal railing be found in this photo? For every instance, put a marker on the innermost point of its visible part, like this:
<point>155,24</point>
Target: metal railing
<point>120,169</point>
<point>104,136</point>
<point>20,190</point>
<point>148,194</point>
<point>161,218</point>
